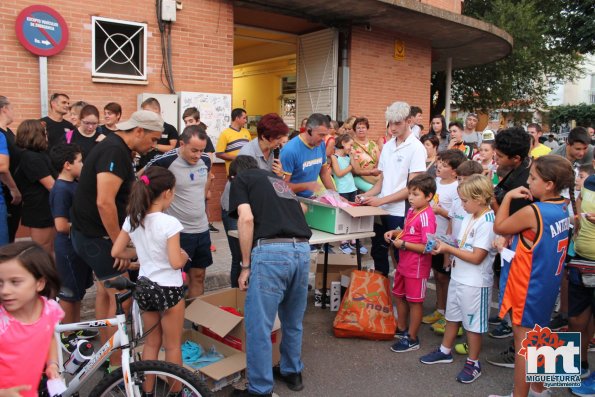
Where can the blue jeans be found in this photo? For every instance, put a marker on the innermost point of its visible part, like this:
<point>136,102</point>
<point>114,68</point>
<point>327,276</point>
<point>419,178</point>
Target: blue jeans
<point>234,246</point>
<point>278,283</point>
<point>379,251</point>
<point>3,224</point>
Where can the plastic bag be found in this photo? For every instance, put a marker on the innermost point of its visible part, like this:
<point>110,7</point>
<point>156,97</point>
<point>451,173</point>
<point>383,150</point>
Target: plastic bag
<point>366,310</point>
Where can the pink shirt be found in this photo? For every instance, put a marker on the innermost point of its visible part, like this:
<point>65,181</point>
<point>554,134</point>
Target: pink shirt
<point>24,347</point>
<point>417,226</point>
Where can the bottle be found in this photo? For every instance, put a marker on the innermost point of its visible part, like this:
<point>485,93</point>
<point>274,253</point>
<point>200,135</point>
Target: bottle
<point>81,354</point>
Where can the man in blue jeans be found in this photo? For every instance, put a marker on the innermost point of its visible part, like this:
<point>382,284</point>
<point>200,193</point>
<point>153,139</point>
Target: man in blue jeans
<point>273,236</point>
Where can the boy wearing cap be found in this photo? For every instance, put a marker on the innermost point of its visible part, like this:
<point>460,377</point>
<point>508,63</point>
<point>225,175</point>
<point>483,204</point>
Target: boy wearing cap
<point>99,205</point>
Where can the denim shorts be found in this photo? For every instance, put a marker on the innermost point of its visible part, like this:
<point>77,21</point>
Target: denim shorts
<point>198,248</point>
<point>75,275</point>
<point>97,253</point>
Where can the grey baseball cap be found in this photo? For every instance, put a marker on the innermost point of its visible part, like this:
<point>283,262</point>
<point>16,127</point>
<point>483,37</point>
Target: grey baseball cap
<point>143,118</point>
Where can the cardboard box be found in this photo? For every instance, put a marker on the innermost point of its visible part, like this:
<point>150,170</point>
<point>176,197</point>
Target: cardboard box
<point>335,220</point>
<point>224,326</point>
<point>337,264</point>
<point>221,373</point>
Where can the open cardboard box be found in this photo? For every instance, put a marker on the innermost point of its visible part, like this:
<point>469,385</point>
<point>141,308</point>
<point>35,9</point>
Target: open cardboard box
<point>221,373</point>
<point>224,326</point>
<point>336,220</point>
<point>338,264</point>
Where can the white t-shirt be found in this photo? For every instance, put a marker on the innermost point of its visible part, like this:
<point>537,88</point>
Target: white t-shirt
<point>456,215</point>
<point>416,130</point>
<point>151,247</point>
<point>447,193</point>
<point>477,233</point>
<point>396,162</point>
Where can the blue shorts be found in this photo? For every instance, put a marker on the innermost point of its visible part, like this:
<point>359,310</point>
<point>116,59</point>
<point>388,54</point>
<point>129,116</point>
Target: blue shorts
<point>75,275</point>
<point>198,248</point>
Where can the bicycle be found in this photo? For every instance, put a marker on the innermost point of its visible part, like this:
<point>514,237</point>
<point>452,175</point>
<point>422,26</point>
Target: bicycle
<point>127,380</point>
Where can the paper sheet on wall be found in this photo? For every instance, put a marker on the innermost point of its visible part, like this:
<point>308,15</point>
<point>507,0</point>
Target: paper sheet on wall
<point>215,111</point>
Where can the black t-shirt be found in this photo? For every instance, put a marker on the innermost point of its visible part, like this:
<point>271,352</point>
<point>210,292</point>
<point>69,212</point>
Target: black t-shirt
<point>114,156</point>
<point>515,178</point>
<point>169,133</point>
<point>104,130</point>
<point>85,143</point>
<point>276,210</point>
<point>57,131</point>
<point>33,167</point>
<point>61,197</point>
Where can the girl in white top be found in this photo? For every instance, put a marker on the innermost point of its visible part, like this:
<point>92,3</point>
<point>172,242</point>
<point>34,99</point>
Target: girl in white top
<point>156,237</point>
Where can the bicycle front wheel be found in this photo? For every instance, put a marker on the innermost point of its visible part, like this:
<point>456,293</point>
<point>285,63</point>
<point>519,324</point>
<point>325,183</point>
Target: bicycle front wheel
<point>169,380</point>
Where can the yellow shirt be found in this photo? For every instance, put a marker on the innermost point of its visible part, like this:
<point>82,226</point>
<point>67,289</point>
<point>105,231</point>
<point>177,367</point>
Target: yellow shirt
<point>540,150</point>
<point>230,142</point>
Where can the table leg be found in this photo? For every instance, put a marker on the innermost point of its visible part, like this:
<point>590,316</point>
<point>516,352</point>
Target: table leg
<point>324,275</point>
<point>358,254</point>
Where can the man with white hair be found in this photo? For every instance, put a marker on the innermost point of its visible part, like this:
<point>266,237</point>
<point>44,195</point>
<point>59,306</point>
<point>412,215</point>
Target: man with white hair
<point>402,158</point>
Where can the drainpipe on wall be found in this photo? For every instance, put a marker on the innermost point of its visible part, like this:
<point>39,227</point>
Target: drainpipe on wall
<point>448,90</point>
<point>343,89</point>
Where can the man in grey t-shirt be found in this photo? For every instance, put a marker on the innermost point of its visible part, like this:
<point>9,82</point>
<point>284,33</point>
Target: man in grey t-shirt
<point>191,167</point>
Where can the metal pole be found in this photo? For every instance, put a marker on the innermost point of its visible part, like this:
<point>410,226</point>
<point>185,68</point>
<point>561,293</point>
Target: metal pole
<point>43,85</point>
<point>448,89</point>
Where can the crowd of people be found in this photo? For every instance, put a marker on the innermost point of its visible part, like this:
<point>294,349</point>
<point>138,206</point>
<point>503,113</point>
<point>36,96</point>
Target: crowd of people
<point>129,199</point>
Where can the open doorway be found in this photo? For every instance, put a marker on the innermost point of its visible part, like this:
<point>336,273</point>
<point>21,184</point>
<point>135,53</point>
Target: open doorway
<point>284,65</point>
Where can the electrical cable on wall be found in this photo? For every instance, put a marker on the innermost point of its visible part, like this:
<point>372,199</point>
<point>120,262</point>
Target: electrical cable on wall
<point>166,52</point>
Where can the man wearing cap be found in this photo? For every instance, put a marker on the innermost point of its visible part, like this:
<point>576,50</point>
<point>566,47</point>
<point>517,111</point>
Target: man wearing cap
<point>99,206</point>
<point>470,136</point>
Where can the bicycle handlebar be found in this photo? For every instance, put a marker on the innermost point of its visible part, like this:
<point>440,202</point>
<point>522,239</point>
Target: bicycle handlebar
<point>120,283</point>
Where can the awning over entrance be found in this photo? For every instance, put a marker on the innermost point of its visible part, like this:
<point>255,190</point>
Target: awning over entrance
<point>468,41</point>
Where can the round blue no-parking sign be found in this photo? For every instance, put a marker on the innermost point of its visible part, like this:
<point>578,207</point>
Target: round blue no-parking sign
<point>41,30</point>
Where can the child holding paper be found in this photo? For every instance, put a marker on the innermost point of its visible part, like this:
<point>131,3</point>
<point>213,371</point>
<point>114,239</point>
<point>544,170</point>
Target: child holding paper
<point>469,291</point>
<point>414,266</point>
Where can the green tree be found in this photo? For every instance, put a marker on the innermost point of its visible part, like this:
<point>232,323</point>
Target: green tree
<point>583,114</point>
<point>545,52</point>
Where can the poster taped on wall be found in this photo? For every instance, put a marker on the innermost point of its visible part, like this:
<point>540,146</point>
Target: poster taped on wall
<point>215,111</point>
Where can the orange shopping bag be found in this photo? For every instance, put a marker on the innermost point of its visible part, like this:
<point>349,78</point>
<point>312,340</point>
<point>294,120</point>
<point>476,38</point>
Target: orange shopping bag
<point>366,310</point>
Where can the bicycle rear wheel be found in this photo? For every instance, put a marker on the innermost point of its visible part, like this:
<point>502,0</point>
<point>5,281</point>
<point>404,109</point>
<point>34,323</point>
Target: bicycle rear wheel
<point>168,377</point>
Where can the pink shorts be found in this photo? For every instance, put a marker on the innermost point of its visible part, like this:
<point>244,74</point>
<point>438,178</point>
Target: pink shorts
<point>412,289</point>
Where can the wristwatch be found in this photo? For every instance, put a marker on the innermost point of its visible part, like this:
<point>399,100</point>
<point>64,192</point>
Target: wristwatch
<point>244,266</point>
<point>402,247</point>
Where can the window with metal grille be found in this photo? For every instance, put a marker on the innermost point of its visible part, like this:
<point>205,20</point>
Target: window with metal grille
<point>119,49</point>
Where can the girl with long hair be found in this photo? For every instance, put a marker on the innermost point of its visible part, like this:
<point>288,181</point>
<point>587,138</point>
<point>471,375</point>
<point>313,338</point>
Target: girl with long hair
<point>156,237</point>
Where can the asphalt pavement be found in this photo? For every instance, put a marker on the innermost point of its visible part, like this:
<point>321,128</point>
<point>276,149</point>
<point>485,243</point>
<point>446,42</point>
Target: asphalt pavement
<point>337,367</point>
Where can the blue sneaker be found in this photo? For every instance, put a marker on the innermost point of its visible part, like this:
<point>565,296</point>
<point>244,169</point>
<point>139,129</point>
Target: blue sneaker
<point>401,334</point>
<point>405,344</point>
<point>362,250</point>
<point>346,249</point>
<point>436,357</point>
<point>585,373</point>
<point>587,387</point>
<point>470,372</point>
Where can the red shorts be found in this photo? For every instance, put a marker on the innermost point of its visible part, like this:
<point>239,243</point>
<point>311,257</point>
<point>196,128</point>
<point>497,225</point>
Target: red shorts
<point>412,289</point>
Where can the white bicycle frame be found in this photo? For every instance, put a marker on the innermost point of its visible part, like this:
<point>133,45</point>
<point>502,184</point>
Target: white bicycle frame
<point>117,340</point>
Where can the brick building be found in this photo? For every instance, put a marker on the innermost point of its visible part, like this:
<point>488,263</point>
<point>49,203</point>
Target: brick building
<point>345,57</point>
